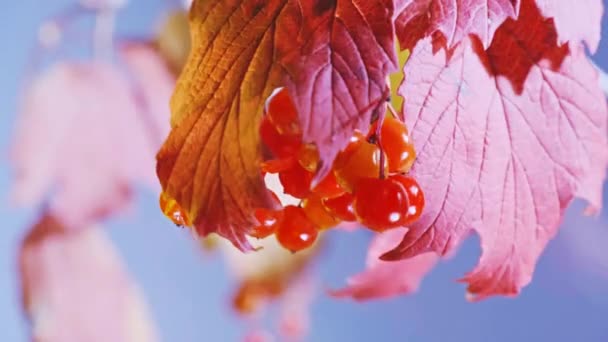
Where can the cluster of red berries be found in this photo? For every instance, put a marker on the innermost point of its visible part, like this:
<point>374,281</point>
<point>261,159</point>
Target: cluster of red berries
<point>368,182</point>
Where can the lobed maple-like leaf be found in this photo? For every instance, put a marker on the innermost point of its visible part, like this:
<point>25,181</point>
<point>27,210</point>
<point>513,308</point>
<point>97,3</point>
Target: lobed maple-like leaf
<point>210,162</point>
<point>336,57</point>
<point>575,21</point>
<point>383,279</point>
<point>75,288</point>
<point>497,159</point>
<point>80,144</point>
<point>451,21</point>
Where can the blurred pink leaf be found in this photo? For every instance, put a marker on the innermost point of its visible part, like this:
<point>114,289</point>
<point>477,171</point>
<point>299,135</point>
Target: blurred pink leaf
<point>585,240</point>
<point>383,279</point>
<point>259,335</point>
<point>575,21</point>
<point>154,85</point>
<point>103,4</point>
<point>500,158</point>
<point>453,20</point>
<point>295,307</point>
<point>75,288</point>
<point>80,139</point>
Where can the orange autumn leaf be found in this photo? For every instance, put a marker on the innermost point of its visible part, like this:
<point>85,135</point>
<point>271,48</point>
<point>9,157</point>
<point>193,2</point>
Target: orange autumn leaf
<point>209,162</point>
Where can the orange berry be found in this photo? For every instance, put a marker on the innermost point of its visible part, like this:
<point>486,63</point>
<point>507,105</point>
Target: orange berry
<point>318,214</point>
<point>283,114</point>
<point>380,204</point>
<point>172,210</point>
<point>248,298</point>
<point>415,197</point>
<point>341,207</point>
<point>396,143</point>
<point>356,162</point>
<point>296,232</point>
<point>328,187</point>
<point>308,157</point>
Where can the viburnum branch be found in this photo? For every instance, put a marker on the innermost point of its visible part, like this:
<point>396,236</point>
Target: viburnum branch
<point>395,114</point>
<point>378,134</point>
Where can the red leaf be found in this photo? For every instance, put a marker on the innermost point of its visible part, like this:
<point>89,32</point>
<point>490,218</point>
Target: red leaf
<point>75,288</point>
<point>575,20</point>
<point>501,163</point>
<point>451,21</point>
<point>387,279</point>
<point>520,44</point>
<point>79,138</point>
<point>337,56</point>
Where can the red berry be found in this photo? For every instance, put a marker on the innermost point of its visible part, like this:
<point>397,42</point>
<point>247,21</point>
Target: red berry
<point>415,197</point>
<point>296,181</point>
<point>283,114</point>
<point>318,214</point>
<point>396,143</point>
<point>277,165</point>
<point>296,232</point>
<point>341,207</point>
<point>380,204</point>
<point>268,221</point>
<point>328,187</point>
<point>280,146</point>
<point>357,161</point>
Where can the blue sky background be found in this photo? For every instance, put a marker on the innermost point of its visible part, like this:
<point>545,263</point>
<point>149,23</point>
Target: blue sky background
<point>188,292</point>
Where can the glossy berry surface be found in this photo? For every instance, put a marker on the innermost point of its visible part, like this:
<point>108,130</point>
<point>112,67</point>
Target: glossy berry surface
<point>328,187</point>
<point>341,207</point>
<point>380,204</point>
<point>296,232</point>
<point>282,113</point>
<point>318,214</point>
<point>296,181</point>
<point>396,143</point>
<point>362,160</point>
<point>268,221</point>
<point>308,157</point>
<point>415,197</point>
<point>280,146</point>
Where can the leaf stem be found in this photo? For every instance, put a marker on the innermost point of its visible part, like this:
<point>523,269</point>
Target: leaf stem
<point>378,135</point>
<point>394,112</point>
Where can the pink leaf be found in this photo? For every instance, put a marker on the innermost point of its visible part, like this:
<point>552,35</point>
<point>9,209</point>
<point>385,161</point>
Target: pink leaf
<point>80,139</point>
<point>259,335</point>
<point>294,315</point>
<point>383,279</point>
<point>104,4</point>
<point>575,20</point>
<point>153,83</point>
<point>453,20</point>
<point>336,59</point>
<point>75,288</point>
<point>502,163</point>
